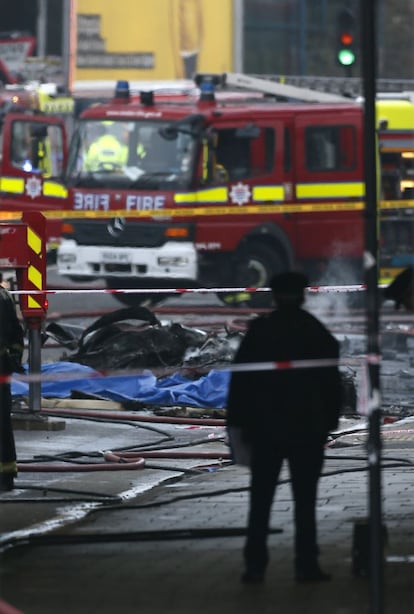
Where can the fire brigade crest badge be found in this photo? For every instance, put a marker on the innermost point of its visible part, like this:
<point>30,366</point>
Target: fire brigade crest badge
<point>33,187</point>
<point>240,194</point>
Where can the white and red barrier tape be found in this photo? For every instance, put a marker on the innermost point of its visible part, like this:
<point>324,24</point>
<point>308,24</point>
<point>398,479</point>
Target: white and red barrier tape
<point>164,371</point>
<point>310,289</point>
<point>6,608</point>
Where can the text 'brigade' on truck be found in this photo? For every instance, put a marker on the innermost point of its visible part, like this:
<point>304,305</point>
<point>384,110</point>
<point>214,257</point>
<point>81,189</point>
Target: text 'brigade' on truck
<point>211,189</point>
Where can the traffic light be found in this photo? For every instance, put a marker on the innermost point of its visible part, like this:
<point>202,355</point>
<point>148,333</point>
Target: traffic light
<point>346,55</point>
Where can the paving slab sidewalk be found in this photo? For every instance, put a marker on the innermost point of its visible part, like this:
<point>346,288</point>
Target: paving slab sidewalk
<point>146,568</point>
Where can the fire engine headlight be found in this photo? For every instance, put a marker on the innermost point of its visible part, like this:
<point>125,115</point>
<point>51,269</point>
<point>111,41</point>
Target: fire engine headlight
<point>173,261</point>
<point>67,258</point>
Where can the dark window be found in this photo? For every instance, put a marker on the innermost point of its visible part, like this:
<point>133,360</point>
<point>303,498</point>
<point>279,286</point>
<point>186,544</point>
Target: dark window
<point>287,154</point>
<point>37,147</point>
<point>244,154</point>
<point>330,148</point>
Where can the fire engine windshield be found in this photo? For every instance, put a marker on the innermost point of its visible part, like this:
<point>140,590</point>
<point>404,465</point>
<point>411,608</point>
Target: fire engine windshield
<point>124,154</point>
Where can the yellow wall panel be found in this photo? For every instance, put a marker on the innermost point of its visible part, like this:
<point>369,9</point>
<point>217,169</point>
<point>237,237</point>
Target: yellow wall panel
<point>160,39</point>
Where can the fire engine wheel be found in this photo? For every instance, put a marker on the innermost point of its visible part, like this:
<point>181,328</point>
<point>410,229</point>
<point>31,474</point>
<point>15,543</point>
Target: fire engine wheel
<point>256,264</point>
<point>133,300</point>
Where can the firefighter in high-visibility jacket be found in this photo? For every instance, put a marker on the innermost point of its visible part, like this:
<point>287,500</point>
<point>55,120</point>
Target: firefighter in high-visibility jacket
<point>106,152</point>
<point>11,352</point>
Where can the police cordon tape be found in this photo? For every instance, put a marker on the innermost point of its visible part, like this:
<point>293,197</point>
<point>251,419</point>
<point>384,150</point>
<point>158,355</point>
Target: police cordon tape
<point>198,210</point>
<point>310,289</point>
<point>282,365</point>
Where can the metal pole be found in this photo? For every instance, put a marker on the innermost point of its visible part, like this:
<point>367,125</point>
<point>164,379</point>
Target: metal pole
<point>238,35</point>
<point>41,27</point>
<point>369,60</point>
<point>303,17</point>
<point>68,41</point>
<point>35,367</point>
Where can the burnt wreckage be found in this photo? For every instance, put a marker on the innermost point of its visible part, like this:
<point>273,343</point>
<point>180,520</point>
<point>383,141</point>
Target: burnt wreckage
<point>134,338</point>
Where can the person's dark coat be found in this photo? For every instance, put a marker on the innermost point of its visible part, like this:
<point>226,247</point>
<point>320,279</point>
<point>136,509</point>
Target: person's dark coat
<point>291,404</point>
<point>11,351</point>
<point>11,336</point>
<point>401,289</point>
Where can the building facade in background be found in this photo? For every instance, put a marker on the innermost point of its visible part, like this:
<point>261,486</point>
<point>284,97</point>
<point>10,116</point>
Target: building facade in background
<point>165,39</point>
<point>172,39</point>
<point>298,37</point>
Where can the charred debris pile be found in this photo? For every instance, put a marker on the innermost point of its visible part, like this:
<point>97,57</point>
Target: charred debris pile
<point>134,338</point>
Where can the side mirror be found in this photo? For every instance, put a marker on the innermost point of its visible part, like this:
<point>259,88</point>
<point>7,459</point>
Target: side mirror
<point>169,133</point>
<point>191,125</point>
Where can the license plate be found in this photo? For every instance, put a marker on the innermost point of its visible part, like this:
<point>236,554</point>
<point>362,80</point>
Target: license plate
<point>116,257</point>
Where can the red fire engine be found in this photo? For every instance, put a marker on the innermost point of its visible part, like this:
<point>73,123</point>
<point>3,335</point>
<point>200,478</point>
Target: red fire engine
<point>206,191</point>
<point>33,149</point>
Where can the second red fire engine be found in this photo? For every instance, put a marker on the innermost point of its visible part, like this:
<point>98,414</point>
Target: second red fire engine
<point>206,190</point>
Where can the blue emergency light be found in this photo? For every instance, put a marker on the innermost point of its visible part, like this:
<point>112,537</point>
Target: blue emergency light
<point>207,85</point>
<point>122,91</point>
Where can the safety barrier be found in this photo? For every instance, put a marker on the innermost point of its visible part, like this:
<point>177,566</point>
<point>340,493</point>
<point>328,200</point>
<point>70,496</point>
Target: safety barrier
<point>310,289</point>
<point>6,608</point>
<point>360,365</point>
<point>163,371</point>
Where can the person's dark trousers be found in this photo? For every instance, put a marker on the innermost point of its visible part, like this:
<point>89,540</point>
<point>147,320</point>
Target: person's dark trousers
<point>305,463</point>
<point>8,468</point>
<point>266,463</point>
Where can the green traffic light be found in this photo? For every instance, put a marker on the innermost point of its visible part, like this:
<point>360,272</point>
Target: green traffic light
<point>346,57</point>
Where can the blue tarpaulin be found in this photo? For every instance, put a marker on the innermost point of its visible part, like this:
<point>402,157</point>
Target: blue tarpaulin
<point>209,390</point>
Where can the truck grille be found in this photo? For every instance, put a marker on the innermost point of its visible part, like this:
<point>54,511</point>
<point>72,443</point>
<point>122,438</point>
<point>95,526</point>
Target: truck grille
<point>124,234</point>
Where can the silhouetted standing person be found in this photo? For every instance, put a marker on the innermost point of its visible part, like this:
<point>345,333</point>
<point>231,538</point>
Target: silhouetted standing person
<point>401,289</point>
<point>285,414</point>
<point>11,351</point>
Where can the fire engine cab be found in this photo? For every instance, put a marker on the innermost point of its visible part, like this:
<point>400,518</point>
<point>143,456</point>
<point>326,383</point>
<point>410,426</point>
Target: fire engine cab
<point>206,190</point>
<point>32,152</point>
<point>395,116</point>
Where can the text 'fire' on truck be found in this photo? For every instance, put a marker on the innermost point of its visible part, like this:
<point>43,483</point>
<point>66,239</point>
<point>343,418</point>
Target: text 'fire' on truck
<point>210,189</point>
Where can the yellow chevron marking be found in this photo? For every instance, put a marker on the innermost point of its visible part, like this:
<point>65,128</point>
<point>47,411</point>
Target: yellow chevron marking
<point>35,277</point>
<point>32,303</point>
<point>34,241</point>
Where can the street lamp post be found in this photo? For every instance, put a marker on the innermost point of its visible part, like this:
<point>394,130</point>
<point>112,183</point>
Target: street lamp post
<point>368,14</point>
<point>41,27</point>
